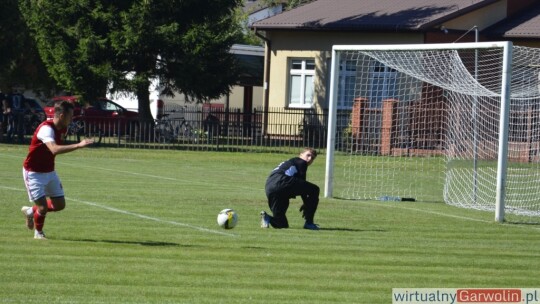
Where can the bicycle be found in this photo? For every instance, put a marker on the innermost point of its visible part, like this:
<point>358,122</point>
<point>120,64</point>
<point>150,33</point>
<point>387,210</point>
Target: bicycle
<point>79,128</point>
<point>169,130</point>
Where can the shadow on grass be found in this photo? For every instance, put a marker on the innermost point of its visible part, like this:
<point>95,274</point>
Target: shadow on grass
<point>352,230</point>
<point>522,223</point>
<point>142,243</point>
<point>254,247</point>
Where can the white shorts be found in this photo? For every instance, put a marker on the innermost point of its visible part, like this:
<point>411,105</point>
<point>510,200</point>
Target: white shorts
<point>42,184</point>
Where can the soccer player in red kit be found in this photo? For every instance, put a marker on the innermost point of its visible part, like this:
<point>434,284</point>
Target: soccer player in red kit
<point>40,178</point>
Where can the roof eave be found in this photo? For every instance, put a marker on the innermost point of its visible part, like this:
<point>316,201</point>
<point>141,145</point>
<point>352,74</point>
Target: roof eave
<point>393,28</point>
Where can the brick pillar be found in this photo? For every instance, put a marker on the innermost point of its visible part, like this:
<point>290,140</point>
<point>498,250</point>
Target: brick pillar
<point>386,130</point>
<point>359,106</point>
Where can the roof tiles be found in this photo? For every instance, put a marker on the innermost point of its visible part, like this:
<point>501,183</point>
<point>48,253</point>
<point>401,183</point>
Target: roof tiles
<point>523,25</point>
<point>369,14</point>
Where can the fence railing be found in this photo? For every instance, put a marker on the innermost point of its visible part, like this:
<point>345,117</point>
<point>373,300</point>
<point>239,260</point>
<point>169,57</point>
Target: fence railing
<point>217,129</point>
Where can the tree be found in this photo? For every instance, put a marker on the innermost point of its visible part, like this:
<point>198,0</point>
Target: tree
<point>20,64</point>
<point>71,41</point>
<point>90,44</point>
<point>294,3</point>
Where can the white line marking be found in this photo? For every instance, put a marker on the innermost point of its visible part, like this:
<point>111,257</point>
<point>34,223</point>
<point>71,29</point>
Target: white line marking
<point>121,171</point>
<point>149,217</point>
<point>174,179</point>
<point>13,189</point>
<point>137,215</point>
<point>430,212</point>
<point>183,181</point>
<point>448,215</point>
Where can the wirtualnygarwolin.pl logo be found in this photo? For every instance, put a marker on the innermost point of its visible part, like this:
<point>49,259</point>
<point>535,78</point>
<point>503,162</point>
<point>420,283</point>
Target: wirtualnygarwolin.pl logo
<point>465,295</point>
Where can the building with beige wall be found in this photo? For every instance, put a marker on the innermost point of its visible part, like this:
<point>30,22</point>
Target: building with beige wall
<point>247,93</point>
<point>298,42</point>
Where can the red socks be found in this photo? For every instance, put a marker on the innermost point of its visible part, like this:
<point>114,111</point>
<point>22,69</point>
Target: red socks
<point>39,220</point>
<point>50,206</point>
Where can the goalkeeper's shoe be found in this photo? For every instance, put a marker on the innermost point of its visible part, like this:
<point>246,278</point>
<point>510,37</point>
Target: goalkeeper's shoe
<point>311,226</point>
<point>29,216</point>
<point>265,220</point>
<point>39,235</point>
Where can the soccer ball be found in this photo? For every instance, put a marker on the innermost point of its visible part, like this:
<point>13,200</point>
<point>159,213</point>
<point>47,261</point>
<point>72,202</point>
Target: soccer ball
<point>227,218</point>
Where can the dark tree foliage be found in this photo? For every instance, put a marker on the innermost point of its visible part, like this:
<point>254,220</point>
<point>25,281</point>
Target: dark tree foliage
<point>88,45</point>
<point>71,40</point>
<point>20,64</point>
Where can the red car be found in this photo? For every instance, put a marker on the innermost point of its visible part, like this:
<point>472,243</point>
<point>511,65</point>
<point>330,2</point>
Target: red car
<point>102,116</point>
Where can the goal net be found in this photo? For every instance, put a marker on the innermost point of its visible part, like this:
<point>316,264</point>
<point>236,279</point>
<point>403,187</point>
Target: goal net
<point>458,123</point>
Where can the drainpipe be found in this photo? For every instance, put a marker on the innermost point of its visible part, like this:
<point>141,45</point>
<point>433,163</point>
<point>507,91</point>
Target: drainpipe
<point>266,86</point>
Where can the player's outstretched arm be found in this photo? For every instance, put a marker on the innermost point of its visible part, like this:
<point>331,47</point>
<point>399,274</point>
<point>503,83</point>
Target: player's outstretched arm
<point>60,149</point>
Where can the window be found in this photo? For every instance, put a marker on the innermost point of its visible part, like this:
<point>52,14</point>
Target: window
<point>301,79</point>
<point>383,84</point>
<point>106,105</point>
<point>346,84</point>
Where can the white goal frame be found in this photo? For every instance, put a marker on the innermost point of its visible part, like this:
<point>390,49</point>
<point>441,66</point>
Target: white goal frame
<point>504,111</point>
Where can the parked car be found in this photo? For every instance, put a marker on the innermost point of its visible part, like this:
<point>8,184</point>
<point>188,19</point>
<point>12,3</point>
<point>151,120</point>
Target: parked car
<point>102,115</point>
<point>34,115</point>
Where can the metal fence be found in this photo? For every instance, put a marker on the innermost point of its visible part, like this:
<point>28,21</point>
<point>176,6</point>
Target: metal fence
<point>203,128</point>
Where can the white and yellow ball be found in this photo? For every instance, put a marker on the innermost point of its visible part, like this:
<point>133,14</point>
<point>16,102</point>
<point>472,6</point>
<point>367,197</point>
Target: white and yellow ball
<point>227,218</point>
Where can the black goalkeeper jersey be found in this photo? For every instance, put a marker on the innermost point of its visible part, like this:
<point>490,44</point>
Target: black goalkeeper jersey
<point>286,174</point>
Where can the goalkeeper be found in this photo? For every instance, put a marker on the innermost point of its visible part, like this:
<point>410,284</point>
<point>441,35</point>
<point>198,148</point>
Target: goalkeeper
<point>287,181</point>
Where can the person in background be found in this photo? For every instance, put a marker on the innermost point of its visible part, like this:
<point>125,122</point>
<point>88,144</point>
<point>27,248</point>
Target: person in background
<point>15,117</point>
<point>3,115</point>
<point>8,119</point>
<point>287,181</point>
<point>42,183</point>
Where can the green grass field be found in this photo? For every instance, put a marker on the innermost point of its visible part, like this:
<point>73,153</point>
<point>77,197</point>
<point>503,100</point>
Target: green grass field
<point>140,227</point>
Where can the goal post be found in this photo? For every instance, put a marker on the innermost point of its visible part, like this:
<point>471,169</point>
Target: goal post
<point>503,132</point>
<point>458,123</point>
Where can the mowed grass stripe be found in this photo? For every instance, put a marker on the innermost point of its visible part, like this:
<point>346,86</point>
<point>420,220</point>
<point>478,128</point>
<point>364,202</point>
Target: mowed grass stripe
<point>366,248</point>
